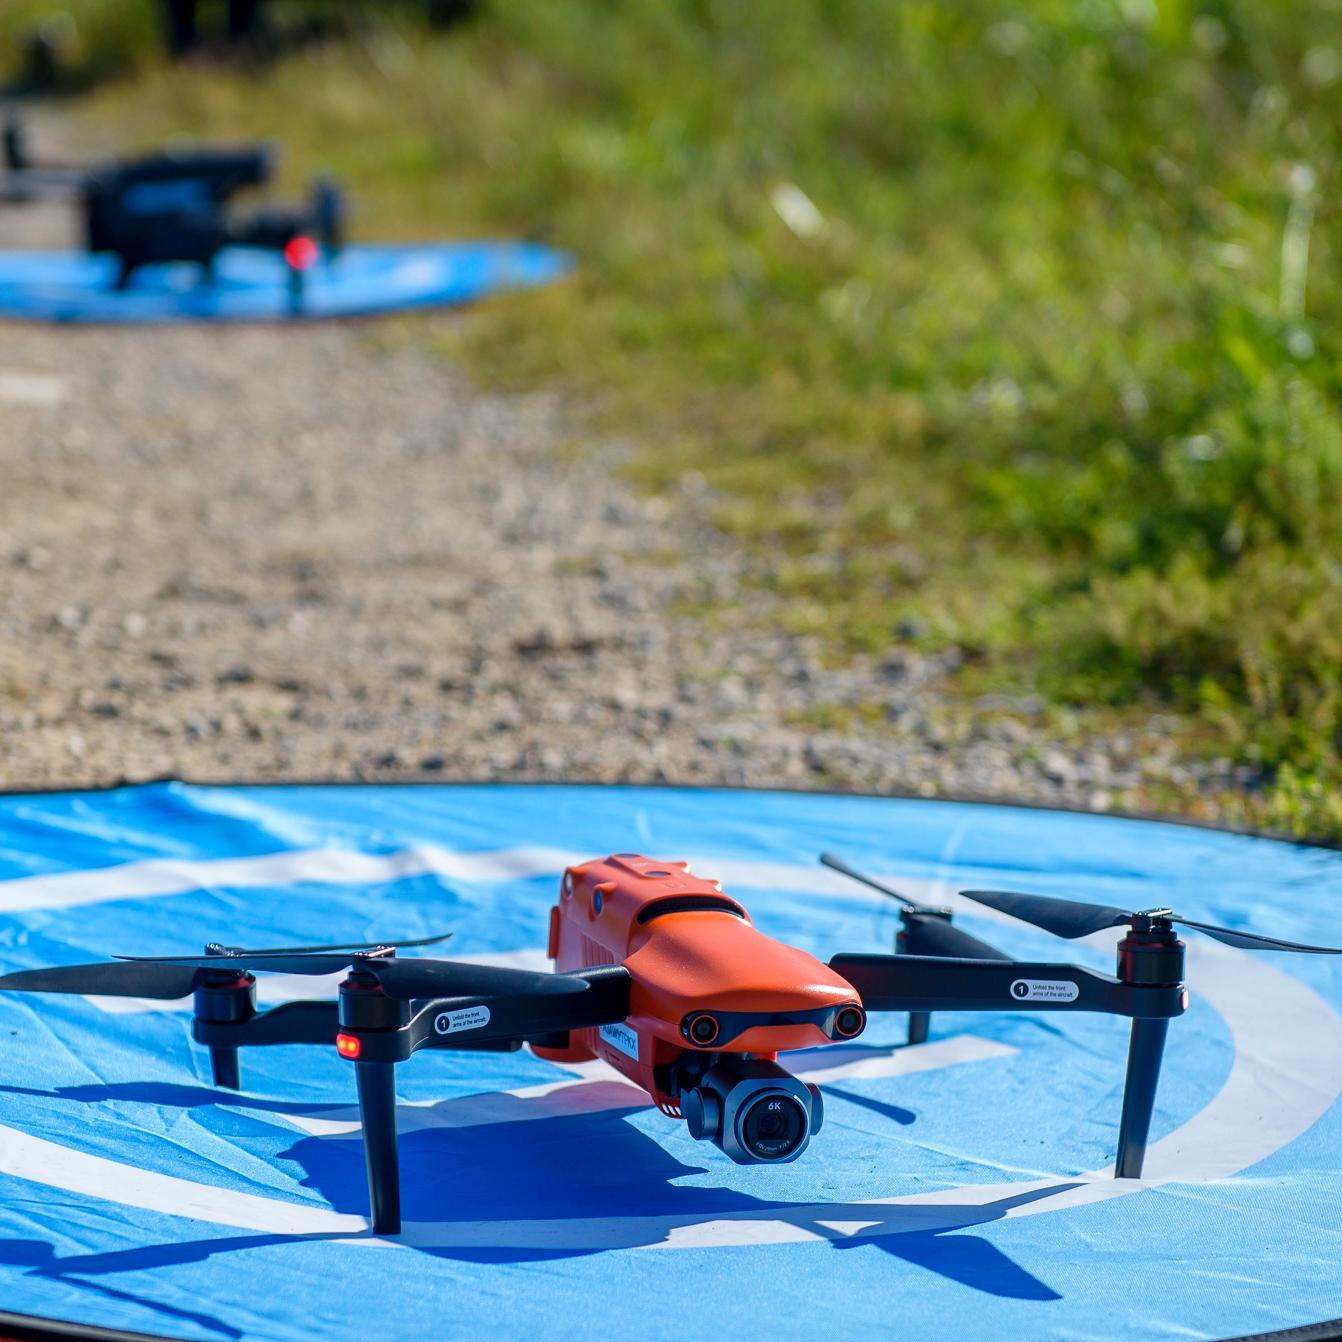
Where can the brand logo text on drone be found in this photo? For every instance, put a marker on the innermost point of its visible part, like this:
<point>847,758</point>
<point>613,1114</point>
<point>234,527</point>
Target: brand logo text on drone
<point>621,1037</point>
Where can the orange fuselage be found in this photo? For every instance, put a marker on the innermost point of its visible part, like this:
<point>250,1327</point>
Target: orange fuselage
<point>691,951</point>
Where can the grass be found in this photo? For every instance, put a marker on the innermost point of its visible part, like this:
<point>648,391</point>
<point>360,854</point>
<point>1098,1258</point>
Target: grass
<point>1012,325</point>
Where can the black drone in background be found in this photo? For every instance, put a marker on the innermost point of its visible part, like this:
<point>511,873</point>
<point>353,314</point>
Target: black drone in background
<point>177,205</point>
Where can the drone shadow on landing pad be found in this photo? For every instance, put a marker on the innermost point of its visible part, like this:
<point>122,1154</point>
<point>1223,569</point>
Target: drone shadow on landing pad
<point>41,1261</point>
<point>537,1182</point>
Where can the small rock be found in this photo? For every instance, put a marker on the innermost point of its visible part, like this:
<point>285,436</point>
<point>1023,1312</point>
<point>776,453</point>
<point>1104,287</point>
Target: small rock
<point>1058,766</point>
<point>35,558</point>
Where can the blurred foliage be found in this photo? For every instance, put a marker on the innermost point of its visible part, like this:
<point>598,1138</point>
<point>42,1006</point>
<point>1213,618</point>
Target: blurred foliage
<point>1013,324</point>
<point>87,39</point>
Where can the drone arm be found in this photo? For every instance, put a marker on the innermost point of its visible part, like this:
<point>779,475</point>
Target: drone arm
<point>929,932</point>
<point>488,1023</point>
<point>376,1032</point>
<point>291,1023</point>
<point>914,983</point>
<point>930,983</point>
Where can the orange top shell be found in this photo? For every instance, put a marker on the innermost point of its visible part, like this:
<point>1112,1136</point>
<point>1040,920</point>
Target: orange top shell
<point>704,976</point>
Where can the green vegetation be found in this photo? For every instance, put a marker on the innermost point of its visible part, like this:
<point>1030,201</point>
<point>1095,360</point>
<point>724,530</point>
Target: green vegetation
<point>1010,324</point>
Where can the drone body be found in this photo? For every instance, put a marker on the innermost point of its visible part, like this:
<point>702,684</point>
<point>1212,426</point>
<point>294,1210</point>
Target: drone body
<point>703,978</point>
<point>708,994</point>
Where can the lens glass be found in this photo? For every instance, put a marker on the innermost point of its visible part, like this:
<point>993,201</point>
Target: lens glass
<point>773,1125</point>
<point>703,1029</point>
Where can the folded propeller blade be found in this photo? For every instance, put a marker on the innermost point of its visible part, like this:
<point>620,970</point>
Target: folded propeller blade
<point>1252,941</point>
<point>926,934</point>
<point>401,979</point>
<point>1062,917</point>
<point>1065,918</point>
<point>286,959</point>
<point>113,978</point>
<point>842,867</point>
<point>271,961</point>
<point>167,977</point>
<point>358,946</point>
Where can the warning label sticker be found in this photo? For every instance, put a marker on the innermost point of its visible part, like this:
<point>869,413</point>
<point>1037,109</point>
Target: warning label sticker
<point>1045,990</point>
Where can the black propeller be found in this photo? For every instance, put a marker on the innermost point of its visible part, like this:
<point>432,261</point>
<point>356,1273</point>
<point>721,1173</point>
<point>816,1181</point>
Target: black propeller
<point>1066,918</point>
<point>362,947</point>
<point>839,865</point>
<point>927,930</point>
<point>923,931</point>
<point>108,979</point>
<point>403,980</point>
<point>171,977</point>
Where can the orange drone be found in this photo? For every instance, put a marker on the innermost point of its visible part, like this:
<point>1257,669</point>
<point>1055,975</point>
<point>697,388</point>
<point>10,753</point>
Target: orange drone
<point>667,979</point>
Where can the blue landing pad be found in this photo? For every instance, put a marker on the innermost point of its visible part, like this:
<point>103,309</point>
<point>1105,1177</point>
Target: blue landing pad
<point>253,285</point>
<point>958,1190</point>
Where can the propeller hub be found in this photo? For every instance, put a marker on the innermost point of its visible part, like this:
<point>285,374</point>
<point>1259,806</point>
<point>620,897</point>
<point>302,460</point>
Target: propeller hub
<point>1152,920</point>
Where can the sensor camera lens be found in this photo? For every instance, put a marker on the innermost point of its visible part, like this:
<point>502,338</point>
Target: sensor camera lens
<point>849,1022</point>
<point>773,1125</point>
<point>703,1029</point>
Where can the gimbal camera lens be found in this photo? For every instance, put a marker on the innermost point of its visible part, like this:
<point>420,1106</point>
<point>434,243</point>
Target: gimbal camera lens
<point>750,1107</point>
<point>772,1124</point>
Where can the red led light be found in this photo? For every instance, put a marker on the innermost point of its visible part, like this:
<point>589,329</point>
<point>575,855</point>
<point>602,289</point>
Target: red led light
<point>347,1045</point>
<point>300,252</point>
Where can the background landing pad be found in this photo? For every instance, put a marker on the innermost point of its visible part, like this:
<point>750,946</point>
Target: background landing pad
<point>957,1190</point>
<point>252,285</point>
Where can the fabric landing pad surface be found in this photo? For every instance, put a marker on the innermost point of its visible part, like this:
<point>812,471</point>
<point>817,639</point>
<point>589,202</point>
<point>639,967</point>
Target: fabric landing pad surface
<point>253,285</point>
<point>958,1189</point>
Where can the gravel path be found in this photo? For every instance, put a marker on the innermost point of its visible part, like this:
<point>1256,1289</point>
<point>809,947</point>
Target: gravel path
<point>242,552</point>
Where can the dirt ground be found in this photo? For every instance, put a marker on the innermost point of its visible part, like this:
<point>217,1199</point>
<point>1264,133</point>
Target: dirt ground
<point>249,552</point>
